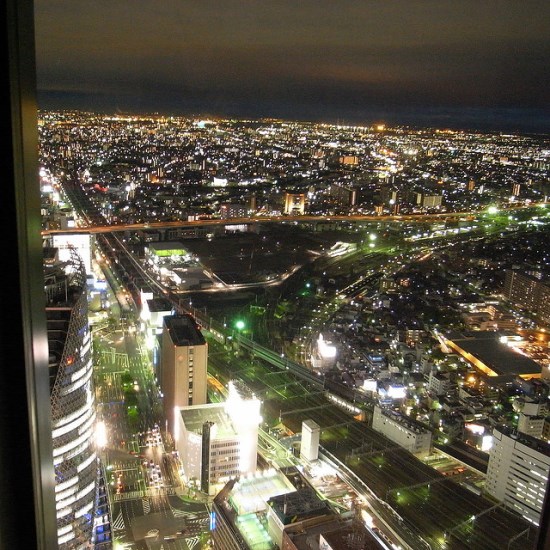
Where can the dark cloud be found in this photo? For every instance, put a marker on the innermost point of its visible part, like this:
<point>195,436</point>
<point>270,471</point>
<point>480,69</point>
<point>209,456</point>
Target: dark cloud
<point>310,59</point>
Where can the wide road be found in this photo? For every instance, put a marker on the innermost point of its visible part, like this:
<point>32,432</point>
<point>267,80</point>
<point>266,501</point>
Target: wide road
<point>305,218</point>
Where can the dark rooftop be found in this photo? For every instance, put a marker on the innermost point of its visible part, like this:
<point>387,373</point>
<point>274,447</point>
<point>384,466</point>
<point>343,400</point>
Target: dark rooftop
<point>499,357</point>
<point>351,537</point>
<point>298,505</point>
<point>159,304</point>
<point>183,330</point>
<point>534,443</point>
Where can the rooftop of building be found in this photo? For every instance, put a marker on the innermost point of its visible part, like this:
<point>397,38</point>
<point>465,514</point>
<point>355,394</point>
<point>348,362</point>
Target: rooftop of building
<point>444,376</point>
<point>533,443</point>
<point>311,424</point>
<point>156,305</point>
<point>307,538</point>
<point>404,421</point>
<point>163,247</point>
<point>351,537</point>
<point>247,526</point>
<point>195,416</point>
<point>498,356</point>
<point>254,532</point>
<point>184,330</point>
<point>298,505</point>
<point>251,494</point>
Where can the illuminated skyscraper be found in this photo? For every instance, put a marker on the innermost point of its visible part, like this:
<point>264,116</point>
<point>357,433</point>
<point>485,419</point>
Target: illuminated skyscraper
<point>72,400</point>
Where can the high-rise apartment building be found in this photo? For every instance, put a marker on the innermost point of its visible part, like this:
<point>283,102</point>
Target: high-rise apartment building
<point>232,210</point>
<point>518,470</point>
<point>531,416</point>
<point>429,201</point>
<point>183,361</point>
<point>76,464</point>
<point>343,195</point>
<point>529,292</point>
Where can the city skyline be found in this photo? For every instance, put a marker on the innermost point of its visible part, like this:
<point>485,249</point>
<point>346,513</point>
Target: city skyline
<point>433,64</point>
<point>399,336</point>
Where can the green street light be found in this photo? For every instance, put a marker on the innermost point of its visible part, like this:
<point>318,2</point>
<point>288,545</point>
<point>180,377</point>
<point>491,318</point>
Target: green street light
<point>239,324</point>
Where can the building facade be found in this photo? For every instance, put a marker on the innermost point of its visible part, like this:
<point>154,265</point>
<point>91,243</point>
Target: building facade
<point>409,434</point>
<point>72,398</point>
<point>529,292</point>
<point>231,211</point>
<point>219,441</point>
<point>183,362</point>
<point>518,470</point>
<point>295,203</point>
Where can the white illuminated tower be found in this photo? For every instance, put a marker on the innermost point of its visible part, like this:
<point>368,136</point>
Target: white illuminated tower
<point>72,400</point>
<point>309,448</point>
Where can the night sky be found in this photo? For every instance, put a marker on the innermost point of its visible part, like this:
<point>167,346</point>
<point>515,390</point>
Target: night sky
<point>478,64</point>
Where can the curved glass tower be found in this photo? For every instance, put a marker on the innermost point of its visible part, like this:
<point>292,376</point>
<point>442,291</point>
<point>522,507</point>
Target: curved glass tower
<point>72,399</point>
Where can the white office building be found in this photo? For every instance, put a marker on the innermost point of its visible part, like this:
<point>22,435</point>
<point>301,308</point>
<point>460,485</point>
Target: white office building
<point>219,441</point>
<point>402,430</point>
<point>518,470</point>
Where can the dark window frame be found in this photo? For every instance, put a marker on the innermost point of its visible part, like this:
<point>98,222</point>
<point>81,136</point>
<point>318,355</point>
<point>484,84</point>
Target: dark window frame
<point>27,482</point>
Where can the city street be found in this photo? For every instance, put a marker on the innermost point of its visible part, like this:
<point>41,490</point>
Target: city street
<point>145,490</point>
